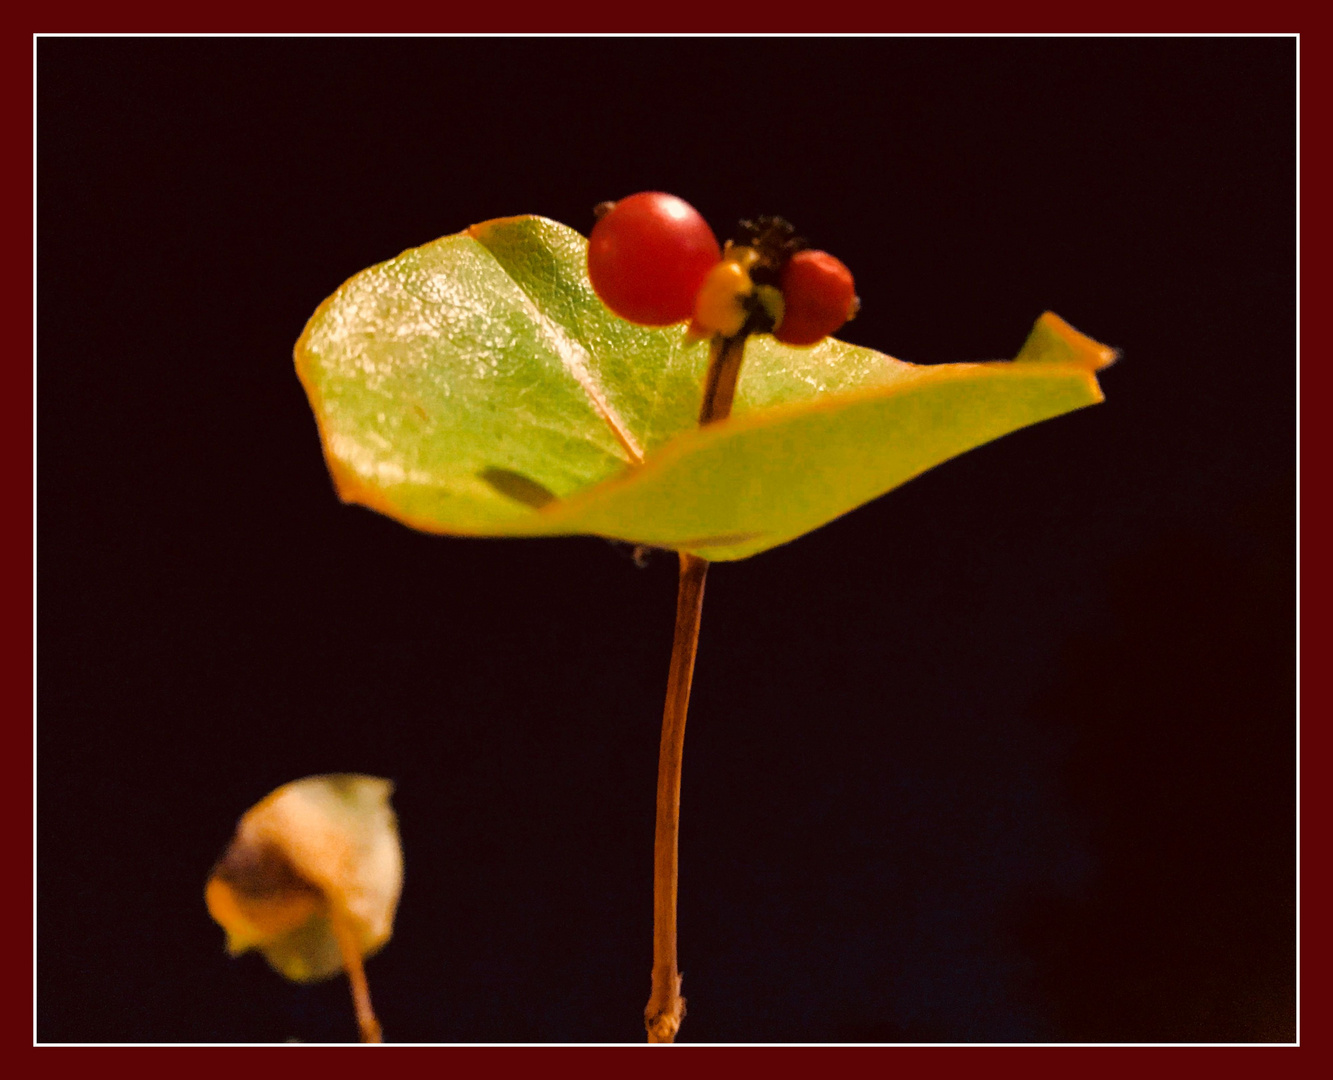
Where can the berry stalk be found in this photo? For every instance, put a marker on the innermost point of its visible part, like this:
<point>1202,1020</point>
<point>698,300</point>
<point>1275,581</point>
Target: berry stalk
<point>724,371</point>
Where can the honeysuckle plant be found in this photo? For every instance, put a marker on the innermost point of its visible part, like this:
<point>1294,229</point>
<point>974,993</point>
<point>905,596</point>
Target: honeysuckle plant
<point>652,387</point>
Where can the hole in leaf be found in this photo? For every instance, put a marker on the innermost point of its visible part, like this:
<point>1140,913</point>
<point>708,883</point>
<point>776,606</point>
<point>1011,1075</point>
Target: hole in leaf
<point>518,487</point>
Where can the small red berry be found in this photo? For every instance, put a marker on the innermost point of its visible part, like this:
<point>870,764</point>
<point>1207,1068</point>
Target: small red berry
<point>648,255</point>
<point>818,295</point>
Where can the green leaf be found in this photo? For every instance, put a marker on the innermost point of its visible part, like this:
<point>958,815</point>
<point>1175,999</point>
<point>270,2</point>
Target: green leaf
<point>477,386</point>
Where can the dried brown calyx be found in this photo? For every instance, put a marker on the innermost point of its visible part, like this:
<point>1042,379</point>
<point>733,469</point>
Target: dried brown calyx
<point>312,880</point>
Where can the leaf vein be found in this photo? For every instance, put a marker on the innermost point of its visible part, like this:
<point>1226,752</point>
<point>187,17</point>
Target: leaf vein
<point>574,358</point>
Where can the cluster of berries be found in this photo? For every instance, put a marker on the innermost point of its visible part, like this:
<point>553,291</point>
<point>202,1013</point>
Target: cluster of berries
<point>654,261</point>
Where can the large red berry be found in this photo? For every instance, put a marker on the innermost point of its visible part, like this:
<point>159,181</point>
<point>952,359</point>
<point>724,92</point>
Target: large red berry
<point>818,296</point>
<point>648,256</point>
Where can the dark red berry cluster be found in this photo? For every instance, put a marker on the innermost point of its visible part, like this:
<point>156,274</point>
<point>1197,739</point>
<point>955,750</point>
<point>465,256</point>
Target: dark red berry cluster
<point>653,260</point>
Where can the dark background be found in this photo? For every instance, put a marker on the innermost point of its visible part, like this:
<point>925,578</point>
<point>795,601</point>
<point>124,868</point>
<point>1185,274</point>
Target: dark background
<point>1007,755</point>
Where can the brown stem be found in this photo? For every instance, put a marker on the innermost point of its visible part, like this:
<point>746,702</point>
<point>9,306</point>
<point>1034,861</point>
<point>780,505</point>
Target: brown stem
<point>666,1008</point>
<point>724,369</point>
<point>356,975</point>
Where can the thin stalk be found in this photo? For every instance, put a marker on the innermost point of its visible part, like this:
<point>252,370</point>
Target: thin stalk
<point>724,369</point>
<point>356,975</point>
<point>666,1008</point>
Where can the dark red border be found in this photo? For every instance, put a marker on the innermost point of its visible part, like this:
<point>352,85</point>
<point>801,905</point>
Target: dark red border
<point>693,18</point>
<point>16,436</point>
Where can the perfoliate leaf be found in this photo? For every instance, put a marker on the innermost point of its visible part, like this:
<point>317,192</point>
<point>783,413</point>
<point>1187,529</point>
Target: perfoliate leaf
<point>314,852</point>
<point>476,385</point>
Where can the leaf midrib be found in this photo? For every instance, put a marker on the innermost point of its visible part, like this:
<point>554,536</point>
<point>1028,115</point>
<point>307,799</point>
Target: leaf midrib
<point>573,353</point>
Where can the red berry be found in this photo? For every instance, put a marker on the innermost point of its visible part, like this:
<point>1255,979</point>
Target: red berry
<point>818,295</point>
<point>648,256</point>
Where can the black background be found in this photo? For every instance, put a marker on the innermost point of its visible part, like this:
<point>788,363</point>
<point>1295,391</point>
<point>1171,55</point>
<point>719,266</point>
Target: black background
<point>1007,755</point>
